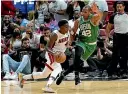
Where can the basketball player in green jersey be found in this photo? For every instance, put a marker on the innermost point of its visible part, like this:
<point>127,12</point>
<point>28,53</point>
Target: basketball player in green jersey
<point>88,24</point>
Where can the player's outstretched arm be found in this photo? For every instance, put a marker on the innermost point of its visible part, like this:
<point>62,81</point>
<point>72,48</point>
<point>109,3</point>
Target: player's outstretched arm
<point>97,14</point>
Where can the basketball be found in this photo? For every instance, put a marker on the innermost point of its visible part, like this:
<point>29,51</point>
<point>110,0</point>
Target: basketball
<point>60,58</point>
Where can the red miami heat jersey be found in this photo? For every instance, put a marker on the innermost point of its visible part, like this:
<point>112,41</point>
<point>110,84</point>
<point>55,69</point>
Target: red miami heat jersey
<point>60,44</point>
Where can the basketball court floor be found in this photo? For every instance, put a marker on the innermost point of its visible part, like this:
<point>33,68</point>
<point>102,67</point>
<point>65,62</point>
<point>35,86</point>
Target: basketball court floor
<point>67,87</point>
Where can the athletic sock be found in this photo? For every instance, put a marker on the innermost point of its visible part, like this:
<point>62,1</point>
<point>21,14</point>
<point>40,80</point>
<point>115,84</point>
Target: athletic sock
<point>50,81</point>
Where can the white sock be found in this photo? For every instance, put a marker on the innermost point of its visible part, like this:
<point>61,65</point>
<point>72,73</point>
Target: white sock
<point>50,81</point>
<point>26,77</point>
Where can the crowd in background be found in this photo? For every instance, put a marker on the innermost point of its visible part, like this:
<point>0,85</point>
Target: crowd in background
<point>34,21</point>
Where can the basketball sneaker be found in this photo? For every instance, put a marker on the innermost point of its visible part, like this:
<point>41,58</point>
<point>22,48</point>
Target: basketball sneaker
<point>21,80</point>
<point>48,89</point>
<point>60,78</point>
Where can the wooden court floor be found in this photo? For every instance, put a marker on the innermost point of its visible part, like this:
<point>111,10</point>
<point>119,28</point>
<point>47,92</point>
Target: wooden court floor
<point>67,87</point>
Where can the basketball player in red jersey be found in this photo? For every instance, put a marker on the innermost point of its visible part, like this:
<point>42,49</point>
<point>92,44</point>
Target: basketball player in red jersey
<point>58,41</point>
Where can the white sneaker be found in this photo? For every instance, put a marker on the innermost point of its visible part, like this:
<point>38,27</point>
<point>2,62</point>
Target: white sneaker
<point>14,76</point>
<point>48,89</point>
<point>7,76</point>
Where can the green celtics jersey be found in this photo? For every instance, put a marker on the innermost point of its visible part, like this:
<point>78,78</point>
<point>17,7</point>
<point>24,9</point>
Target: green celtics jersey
<point>88,32</point>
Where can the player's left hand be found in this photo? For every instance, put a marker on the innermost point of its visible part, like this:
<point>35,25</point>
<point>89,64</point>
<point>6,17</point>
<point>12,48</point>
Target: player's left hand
<point>94,7</point>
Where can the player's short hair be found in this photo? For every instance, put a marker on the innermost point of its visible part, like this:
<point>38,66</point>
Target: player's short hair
<point>62,22</point>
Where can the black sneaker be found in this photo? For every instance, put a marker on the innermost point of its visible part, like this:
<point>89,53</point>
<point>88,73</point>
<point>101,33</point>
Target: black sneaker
<point>60,78</point>
<point>77,80</point>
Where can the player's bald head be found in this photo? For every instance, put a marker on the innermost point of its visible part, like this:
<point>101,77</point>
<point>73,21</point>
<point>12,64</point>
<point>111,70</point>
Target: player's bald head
<point>86,11</point>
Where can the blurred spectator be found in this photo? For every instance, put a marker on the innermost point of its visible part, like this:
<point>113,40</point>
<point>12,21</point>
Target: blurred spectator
<point>76,16</point>
<point>70,9</point>
<point>26,57</point>
<point>41,9</point>
<point>6,29</point>
<point>34,39</point>
<point>30,25</point>
<point>31,15</point>
<point>34,20</point>
<point>15,41</point>
<point>22,21</point>
<point>50,22</point>
<point>44,38</point>
<point>81,4</point>
<point>76,6</point>
<point>7,8</point>
<point>43,42</point>
<point>41,29</point>
<point>59,8</point>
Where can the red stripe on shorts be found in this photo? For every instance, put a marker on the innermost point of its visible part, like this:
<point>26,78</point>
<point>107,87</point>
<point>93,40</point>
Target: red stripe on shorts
<point>48,66</point>
<point>51,58</point>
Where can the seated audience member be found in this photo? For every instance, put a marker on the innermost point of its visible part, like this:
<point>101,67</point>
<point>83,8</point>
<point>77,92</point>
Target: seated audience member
<point>15,41</point>
<point>26,57</point>
<point>22,21</point>
<point>43,42</point>
<point>102,58</point>
<point>44,38</point>
<point>30,25</point>
<point>50,22</point>
<point>6,29</point>
<point>34,39</point>
<point>40,29</point>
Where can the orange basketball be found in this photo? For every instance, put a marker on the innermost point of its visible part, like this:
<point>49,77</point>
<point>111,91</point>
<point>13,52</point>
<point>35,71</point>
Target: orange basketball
<point>61,58</point>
